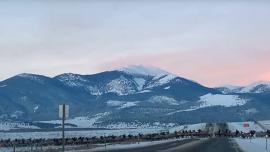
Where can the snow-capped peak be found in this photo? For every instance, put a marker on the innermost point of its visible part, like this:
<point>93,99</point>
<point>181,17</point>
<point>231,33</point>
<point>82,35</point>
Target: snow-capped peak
<point>33,77</point>
<point>72,80</point>
<point>26,75</point>
<point>230,87</point>
<point>253,87</point>
<point>260,83</point>
<point>257,87</point>
<point>144,70</point>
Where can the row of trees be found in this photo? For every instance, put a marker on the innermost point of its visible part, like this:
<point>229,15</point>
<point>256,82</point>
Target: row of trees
<point>124,138</point>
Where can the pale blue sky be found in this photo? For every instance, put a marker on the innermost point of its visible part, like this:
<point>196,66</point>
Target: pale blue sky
<point>212,42</point>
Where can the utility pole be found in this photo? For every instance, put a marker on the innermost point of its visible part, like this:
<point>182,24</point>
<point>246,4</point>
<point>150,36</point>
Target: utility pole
<point>105,144</point>
<point>266,144</point>
<point>63,113</point>
<point>63,127</point>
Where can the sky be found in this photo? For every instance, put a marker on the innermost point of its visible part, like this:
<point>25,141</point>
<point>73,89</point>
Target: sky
<point>214,42</point>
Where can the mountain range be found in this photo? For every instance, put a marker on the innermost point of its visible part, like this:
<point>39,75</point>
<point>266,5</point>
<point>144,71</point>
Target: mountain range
<point>134,94</point>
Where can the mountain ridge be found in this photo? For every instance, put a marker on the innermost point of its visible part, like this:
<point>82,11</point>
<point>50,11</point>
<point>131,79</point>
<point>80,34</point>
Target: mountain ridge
<point>151,70</point>
<point>123,97</point>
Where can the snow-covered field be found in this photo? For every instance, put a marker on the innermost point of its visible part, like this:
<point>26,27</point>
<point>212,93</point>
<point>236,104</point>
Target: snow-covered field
<point>80,122</point>
<point>123,129</point>
<point>189,127</point>
<point>240,126</point>
<point>95,133</point>
<point>253,145</point>
<point>88,133</point>
<point>4,126</point>
<point>266,124</point>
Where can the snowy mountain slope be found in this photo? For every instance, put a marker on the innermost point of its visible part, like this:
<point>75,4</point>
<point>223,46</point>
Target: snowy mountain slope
<point>158,76</point>
<point>120,83</point>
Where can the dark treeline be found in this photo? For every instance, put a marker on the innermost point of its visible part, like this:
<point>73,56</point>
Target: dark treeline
<point>128,138</point>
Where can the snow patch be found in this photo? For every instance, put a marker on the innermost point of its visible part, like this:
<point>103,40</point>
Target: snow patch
<point>163,99</point>
<point>122,104</point>
<point>166,88</point>
<point>166,79</point>
<point>17,114</point>
<point>120,86</point>
<point>145,91</point>
<point>140,83</point>
<point>114,103</point>
<point>31,77</point>
<point>161,80</point>
<point>2,86</point>
<point>24,98</point>
<point>35,108</point>
<point>72,80</point>
<point>178,111</point>
<point>94,90</point>
<point>209,100</point>
<point>251,111</point>
<point>129,104</point>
